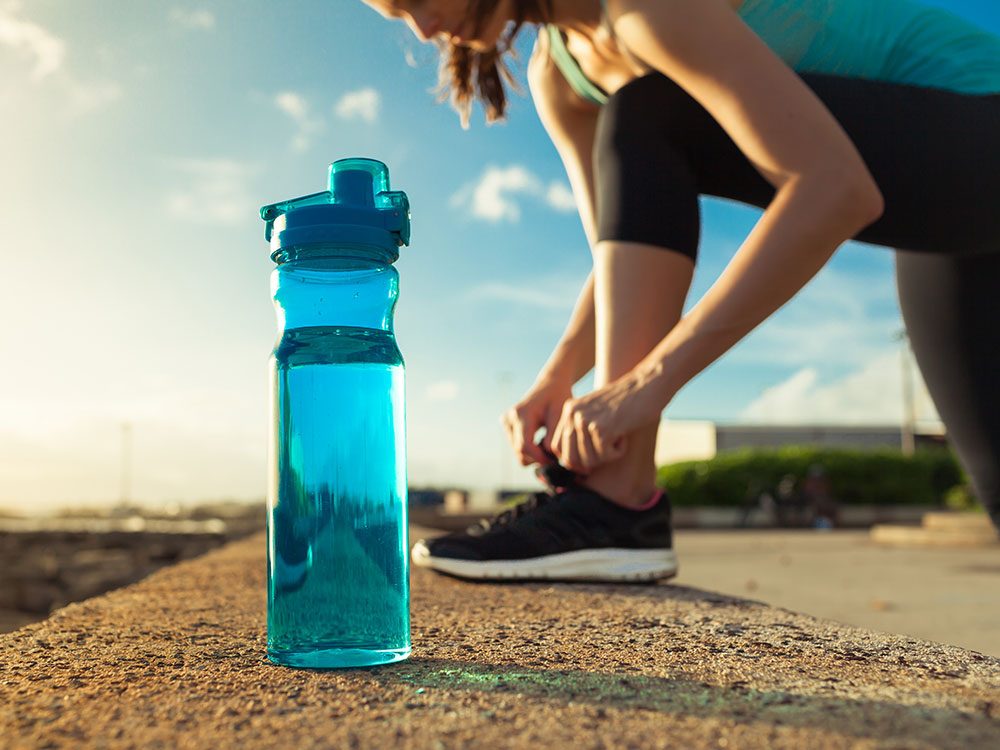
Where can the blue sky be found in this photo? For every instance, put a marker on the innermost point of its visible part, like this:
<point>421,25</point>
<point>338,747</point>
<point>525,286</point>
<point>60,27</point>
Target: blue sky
<point>141,137</point>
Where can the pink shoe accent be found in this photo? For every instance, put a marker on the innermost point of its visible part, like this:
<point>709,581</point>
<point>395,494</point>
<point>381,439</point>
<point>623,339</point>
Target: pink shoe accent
<point>652,501</point>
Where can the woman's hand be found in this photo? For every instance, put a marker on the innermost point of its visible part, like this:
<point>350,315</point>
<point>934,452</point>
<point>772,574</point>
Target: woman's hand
<point>540,407</point>
<point>593,429</point>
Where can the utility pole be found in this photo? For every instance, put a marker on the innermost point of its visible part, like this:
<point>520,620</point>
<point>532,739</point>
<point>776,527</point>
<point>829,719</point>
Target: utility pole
<point>908,426</point>
<point>126,485</point>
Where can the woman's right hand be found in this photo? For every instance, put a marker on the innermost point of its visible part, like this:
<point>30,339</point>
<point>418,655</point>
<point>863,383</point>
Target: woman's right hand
<point>541,406</point>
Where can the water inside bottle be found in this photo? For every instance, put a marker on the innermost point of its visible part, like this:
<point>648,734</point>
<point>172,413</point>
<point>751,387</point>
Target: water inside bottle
<point>338,588</point>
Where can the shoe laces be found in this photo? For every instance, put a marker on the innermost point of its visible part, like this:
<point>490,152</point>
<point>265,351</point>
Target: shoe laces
<point>534,501</point>
<point>557,477</point>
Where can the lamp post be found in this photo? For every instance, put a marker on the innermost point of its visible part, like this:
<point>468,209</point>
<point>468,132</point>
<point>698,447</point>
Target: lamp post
<point>126,489</point>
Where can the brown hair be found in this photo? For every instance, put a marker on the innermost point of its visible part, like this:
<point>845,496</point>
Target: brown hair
<point>467,75</point>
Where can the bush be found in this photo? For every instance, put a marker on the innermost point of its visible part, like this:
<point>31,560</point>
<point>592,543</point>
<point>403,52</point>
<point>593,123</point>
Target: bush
<point>869,477</point>
<point>960,498</point>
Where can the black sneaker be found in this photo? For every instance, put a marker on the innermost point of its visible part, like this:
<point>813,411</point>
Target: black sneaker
<point>569,534</point>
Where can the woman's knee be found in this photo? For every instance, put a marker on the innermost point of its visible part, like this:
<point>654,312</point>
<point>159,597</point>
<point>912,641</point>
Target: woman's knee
<point>647,191</point>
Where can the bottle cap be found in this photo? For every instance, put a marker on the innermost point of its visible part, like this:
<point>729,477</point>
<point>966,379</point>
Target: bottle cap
<point>358,213</point>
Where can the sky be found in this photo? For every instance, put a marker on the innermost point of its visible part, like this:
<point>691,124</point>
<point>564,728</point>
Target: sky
<point>139,140</point>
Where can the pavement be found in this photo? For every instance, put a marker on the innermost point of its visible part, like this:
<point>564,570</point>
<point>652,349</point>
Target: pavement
<point>946,595</point>
<point>177,661</point>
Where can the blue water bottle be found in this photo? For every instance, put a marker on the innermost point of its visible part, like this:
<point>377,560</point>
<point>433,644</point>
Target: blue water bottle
<point>337,572</point>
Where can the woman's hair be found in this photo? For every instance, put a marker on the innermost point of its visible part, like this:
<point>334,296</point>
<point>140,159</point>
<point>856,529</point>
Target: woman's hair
<point>467,75</point>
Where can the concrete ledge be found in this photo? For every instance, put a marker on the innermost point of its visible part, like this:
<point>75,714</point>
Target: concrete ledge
<point>177,661</point>
<point>941,530</point>
<point>918,536</point>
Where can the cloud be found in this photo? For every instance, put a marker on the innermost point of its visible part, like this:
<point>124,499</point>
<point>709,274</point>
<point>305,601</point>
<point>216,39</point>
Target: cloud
<point>199,18</point>
<point>292,104</point>
<point>494,196</point>
<point>217,192</point>
<point>47,54</point>
<point>45,49</point>
<point>840,319</point>
<point>87,97</point>
<point>554,292</point>
<point>872,394</point>
<point>444,390</point>
<point>362,104</point>
<point>295,106</point>
<point>560,197</point>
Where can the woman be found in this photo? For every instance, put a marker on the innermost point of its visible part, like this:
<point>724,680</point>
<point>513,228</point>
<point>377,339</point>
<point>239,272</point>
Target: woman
<point>842,118</point>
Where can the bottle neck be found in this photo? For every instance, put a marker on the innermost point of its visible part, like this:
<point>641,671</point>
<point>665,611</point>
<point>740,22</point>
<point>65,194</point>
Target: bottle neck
<point>335,292</point>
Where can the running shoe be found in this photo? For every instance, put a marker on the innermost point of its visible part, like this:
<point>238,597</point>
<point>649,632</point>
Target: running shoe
<point>569,533</point>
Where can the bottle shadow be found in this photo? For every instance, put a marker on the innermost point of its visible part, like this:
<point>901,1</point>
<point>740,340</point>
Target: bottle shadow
<point>686,698</point>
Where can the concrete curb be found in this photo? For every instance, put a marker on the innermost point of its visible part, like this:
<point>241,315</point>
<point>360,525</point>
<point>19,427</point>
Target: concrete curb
<point>177,661</point>
<point>940,530</point>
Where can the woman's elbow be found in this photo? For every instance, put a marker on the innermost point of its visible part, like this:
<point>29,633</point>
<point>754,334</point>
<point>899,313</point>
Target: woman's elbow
<point>857,196</point>
<point>869,200</point>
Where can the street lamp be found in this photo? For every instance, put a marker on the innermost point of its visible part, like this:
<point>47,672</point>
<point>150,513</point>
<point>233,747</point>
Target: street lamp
<point>126,489</point>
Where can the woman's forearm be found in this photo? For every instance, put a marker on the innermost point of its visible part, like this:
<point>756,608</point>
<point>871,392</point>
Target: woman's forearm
<point>572,125</point>
<point>573,356</point>
<point>798,233</point>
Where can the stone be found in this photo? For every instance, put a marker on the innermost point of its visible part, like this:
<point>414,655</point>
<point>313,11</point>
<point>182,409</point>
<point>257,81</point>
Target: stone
<point>178,660</point>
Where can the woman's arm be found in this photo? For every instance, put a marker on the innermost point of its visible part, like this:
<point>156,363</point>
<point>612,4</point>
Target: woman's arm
<point>824,192</point>
<point>824,195</point>
<point>570,123</point>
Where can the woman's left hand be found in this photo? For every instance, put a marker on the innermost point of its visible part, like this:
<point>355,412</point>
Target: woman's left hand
<point>593,429</point>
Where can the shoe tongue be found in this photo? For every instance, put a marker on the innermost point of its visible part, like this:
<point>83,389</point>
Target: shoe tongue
<point>556,477</point>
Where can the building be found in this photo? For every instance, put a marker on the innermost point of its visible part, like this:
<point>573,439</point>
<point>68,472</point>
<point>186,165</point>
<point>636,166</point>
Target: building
<point>688,440</point>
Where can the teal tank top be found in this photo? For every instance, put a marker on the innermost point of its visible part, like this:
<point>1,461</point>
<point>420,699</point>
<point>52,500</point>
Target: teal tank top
<point>898,41</point>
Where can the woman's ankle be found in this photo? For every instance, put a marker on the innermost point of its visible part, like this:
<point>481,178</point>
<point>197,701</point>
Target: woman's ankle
<point>628,494</point>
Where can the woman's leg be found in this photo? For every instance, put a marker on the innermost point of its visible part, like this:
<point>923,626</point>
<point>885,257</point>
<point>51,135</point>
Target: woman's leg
<point>639,293</point>
<point>647,206</point>
<point>949,305</point>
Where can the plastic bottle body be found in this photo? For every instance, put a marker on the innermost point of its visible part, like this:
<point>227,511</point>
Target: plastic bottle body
<point>338,575</point>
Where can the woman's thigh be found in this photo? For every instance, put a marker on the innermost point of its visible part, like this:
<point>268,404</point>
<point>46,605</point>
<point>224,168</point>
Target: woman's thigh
<point>935,155</point>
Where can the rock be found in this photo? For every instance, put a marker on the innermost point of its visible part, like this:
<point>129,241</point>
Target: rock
<point>703,671</point>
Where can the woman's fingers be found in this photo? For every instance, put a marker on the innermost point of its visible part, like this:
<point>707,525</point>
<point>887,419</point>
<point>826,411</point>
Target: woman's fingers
<point>521,425</point>
<point>581,444</point>
<point>530,453</point>
<point>552,414</point>
<point>621,446</point>
<point>615,449</point>
<point>539,408</point>
<point>567,439</point>
<point>587,451</point>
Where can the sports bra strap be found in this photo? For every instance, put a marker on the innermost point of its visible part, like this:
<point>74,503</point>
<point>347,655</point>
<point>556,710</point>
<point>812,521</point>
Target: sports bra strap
<point>570,68</point>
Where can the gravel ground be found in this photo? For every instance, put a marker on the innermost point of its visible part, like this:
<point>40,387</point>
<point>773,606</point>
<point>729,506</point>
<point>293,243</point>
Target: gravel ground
<point>177,661</point>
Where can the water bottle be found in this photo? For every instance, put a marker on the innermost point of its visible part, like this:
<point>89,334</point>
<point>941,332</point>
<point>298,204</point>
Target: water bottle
<point>337,562</point>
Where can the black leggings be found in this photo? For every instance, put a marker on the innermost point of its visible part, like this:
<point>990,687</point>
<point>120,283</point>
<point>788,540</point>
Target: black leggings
<point>935,156</point>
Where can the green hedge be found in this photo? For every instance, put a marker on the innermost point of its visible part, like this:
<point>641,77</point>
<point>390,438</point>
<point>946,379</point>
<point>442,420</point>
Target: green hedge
<point>875,477</point>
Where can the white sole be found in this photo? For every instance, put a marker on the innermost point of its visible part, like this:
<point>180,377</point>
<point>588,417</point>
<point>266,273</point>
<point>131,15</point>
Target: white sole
<point>605,564</point>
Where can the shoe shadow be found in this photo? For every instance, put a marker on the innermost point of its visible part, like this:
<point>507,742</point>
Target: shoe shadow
<point>649,590</point>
